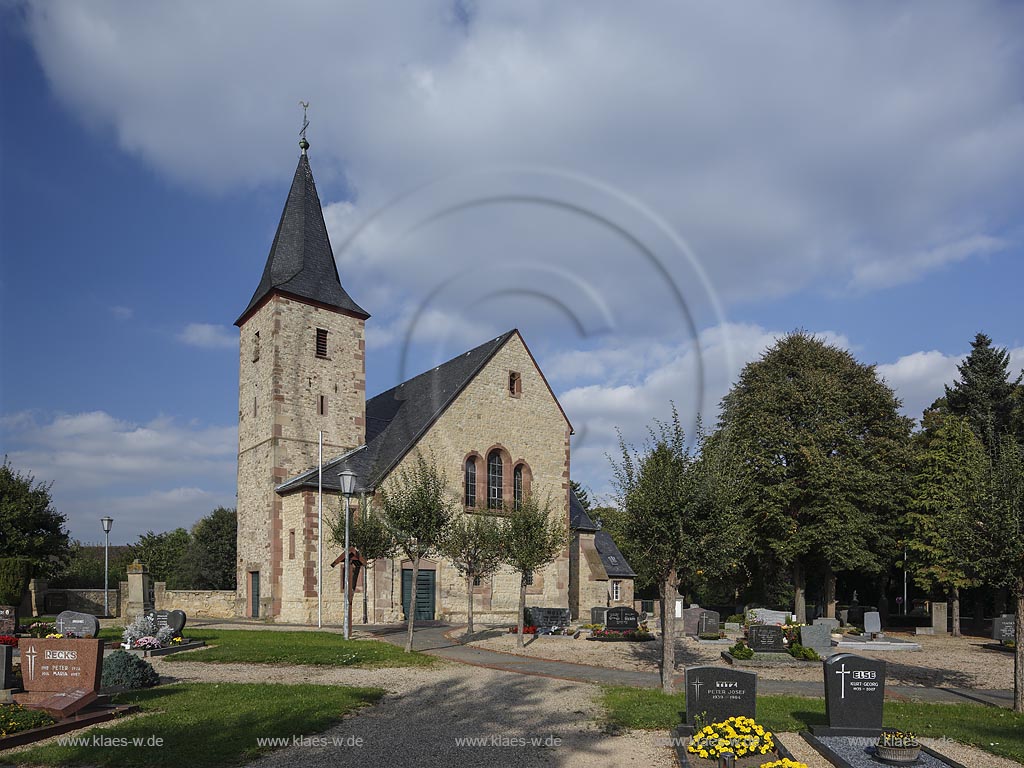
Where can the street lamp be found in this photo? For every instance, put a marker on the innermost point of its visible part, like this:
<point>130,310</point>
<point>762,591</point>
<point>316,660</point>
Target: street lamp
<point>348,487</point>
<point>107,523</point>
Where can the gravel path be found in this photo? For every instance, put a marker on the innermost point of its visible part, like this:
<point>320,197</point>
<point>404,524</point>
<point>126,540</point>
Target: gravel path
<point>942,661</point>
<point>427,710</point>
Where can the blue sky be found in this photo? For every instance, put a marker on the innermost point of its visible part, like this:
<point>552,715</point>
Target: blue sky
<point>633,191</point>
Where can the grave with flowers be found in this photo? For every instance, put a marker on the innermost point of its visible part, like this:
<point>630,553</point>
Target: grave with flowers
<point>158,633</point>
<point>720,721</point>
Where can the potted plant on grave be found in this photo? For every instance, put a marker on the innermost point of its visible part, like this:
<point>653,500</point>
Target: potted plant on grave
<point>898,747</point>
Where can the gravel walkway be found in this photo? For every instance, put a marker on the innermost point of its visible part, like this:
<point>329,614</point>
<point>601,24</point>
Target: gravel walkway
<point>942,661</point>
<point>428,710</point>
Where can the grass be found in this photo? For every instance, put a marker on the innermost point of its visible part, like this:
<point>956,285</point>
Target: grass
<point>993,729</point>
<point>317,648</point>
<point>205,724</point>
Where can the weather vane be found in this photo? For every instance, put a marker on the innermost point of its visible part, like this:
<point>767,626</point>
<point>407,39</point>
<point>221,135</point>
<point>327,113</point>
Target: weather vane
<point>305,124</point>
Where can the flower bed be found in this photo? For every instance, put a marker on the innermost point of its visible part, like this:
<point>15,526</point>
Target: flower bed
<point>9,640</point>
<point>752,745</point>
<point>529,629</point>
<point>626,636</point>
<point>15,718</point>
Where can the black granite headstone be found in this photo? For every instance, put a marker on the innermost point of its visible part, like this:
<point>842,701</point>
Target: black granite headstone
<point>1003,628</point>
<point>546,617</point>
<point>854,694</point>
<point>8,620</point>
<point>621,618</point>
<point>78,624</point>
<point>714,694</point>
<point>765,638</point>
<point>6,674</point>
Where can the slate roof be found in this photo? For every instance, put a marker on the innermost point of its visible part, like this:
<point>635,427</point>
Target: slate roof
<point>301,261</point>
<point>398,418</point>
<point>614,563</point>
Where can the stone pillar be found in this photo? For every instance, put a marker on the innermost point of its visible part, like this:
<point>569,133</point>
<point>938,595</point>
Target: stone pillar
<point>159,598</point>
<point>37,597</point>
<point>122,598</point>
<point>939,618</point>
<point>138,591</point>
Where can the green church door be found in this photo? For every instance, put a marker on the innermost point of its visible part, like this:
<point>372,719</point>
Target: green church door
<point>425,588</point>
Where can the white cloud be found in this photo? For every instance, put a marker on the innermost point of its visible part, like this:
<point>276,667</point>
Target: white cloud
<point>156,475</point>
<point>122,313</point>
<point>793,145</point>
<point>208,336</point>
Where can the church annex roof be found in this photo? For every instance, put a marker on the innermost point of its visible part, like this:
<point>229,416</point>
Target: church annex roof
<point>615,564</point>
<point>301,261</point>
<point>398,418</point>
<point>579,520</point>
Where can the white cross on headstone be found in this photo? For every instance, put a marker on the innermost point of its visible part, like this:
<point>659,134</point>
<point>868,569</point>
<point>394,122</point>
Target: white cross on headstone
<point>30,654</point>
<point>843,672</point>
<point>696,689</point>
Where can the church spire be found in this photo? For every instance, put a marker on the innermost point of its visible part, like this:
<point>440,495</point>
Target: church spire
<point>301,261</point>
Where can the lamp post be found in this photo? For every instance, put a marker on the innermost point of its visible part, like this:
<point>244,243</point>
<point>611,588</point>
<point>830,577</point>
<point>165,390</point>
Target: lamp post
<point>348,486</point>
<point>107,523</point>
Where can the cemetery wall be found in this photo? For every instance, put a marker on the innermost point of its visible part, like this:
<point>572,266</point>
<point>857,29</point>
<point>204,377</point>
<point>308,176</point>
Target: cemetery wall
<point>201,603</point>
<point>43,600</point>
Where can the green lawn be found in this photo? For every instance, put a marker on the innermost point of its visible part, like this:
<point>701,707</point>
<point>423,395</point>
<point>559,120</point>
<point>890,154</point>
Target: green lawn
<point>205,724</point>
<point>261,646</point>
<point>996,730</point>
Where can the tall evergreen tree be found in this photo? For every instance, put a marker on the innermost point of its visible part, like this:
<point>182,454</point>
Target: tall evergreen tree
<point>949,486</point>
<point>211,559</point>
<point>825,451</point>
<point>987,394</point>
<point>581,494</point>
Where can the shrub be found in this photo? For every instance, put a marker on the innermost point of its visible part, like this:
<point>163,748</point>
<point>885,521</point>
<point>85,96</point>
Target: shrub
<point>14,575</point>
<point>710,636</point>
<point>798,651</point>
<point>15,718</point>
<point>740,651</point>
<point>736,618</point>
<point>126,670</point>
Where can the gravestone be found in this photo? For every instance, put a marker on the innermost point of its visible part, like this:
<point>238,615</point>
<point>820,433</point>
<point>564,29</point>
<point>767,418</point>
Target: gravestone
<point>621,619</point>
<point>818,637</point>
<point>597,615</point>
<point>872,622</point>
<point>176,620</point>
<point>765,638</point>
<point>79,624</point>
<point>6,673</point>
<point>696,618</point>
<point>1004,629</point>
<point>939,615</point>
<point>854,694</point>
<point>59,676</point>
<point>832,624</point>
<point>55,602</point>
<point>8,620</point>
<point>540,617</point>
<point>714,694</point>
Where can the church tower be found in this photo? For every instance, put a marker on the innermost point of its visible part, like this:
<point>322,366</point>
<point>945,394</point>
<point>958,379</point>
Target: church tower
<point>302,369</point>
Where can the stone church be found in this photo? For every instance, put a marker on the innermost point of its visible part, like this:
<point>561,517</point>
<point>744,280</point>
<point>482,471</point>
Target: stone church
<point>488,417</point>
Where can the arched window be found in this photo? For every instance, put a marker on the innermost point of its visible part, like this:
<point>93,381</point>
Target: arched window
<point>471,482</point>
<point>517,486</point>
<point>494,480</point>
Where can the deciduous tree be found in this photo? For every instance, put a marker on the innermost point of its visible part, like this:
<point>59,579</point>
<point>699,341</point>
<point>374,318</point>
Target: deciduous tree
<point>474,544</point>
<point>29,525</point>
<point>370,536</point>
<point>825,451</point>
<point>417,508</point>
<point>533,538</point>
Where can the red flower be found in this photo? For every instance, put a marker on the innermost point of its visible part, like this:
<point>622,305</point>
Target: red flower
<point>8,640</point>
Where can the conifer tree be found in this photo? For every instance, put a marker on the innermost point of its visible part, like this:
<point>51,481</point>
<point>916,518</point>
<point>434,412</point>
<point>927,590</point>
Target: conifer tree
<point>987,394</point>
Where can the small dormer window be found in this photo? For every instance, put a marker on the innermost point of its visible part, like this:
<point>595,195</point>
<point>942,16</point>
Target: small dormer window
<point>515,384</point>
<point>256,346</point>
<point>321,342</point>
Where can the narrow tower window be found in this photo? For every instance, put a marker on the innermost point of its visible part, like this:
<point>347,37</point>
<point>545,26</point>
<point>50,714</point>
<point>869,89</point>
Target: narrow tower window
<point>494,480</point>
<point>517,486</point>
<point>322,406</point>
<point>321,342</point>
<point>256,346</point>
<point>515,384</point>
<point>471,482</point>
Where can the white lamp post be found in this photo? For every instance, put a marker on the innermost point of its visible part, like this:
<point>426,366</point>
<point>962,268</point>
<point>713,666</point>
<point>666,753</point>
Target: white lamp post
<point>107,523</point>
<point>348,486</point>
